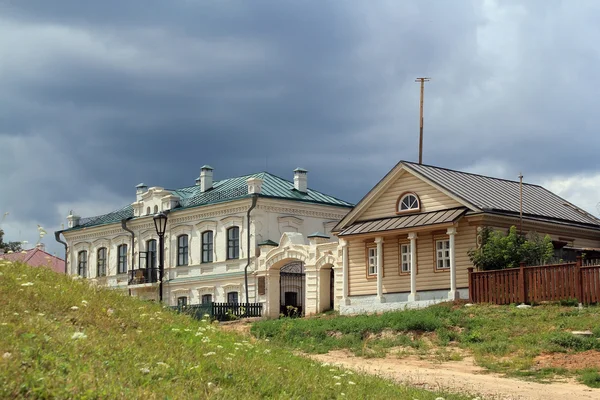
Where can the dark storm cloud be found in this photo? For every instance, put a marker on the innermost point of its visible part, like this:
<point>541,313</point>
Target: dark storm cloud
<point>98,96</point>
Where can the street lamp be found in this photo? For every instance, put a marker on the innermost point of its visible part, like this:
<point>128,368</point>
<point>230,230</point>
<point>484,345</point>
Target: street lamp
<point>160,223</point>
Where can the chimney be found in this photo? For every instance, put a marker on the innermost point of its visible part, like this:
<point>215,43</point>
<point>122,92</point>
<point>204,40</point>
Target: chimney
<point>254,185</point>
<point>206,178</point>
<point>300,180</point>
<point>40,246</point>
<point>72,220</point>
<point>140,190</point>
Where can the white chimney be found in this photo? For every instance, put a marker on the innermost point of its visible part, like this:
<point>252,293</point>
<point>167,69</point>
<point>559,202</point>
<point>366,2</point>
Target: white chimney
<point>139,191</point>
<point>206,178</point>
<point>300,180</point>
<point>41,246</point>
<point>72,220</point>
<point>254,185</point>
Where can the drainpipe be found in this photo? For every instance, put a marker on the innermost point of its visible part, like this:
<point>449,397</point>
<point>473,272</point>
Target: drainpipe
<point>254,199</point>
<point>57,237</point>
<point>124,226</point>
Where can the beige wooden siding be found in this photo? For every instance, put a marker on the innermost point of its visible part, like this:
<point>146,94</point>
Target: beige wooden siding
<point>428,277</point>
<point>358,284</point>
<point>431,198</point>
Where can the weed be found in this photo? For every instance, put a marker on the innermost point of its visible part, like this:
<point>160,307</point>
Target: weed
<point>590,377</point>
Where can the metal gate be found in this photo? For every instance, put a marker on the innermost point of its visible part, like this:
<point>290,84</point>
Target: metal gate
<point>291,289</point>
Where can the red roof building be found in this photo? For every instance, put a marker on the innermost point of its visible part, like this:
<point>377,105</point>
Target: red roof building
<point>37,257</point>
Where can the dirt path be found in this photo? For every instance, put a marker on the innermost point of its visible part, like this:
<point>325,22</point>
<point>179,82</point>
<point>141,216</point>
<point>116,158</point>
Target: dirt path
<point>458,377</point>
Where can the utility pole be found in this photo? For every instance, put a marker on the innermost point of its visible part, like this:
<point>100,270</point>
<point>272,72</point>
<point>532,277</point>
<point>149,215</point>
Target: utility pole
<point>520,203</point>
<point>422,80</point>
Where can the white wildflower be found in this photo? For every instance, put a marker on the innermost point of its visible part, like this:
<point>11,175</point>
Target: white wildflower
<point>84,302</point>
<point>27,284</point>
<point>144,370</point>
<point>162,364</point>
<point>79,335</point>
<point>228,358</point>
<point>219,346</point>
<point>338,384</point>
<point>4,324</point>
<point>194,367</point>
<point>175,329</point>
<point>351,383</point>
<point>15,313</point>
<point>26,311</point>
<point>332,369</point>
<point>343,394</point>
<point>6,355</point>
<point>267,351</point>
<point>336,377</point>
<point>41,314</point>
<point>110,311</point>
<point>139,331</point>
<point>210,385</point>
<point>210,353</point>
<point>198,334</point>
<point>143,315</point>
<point>205,339</point>
<point>267,340</point>
<point>439,398</point>
<point>187,330</point>
<point>74,308</point>
<point>350,372</point>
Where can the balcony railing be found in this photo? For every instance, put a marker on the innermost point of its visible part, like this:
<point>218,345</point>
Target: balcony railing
<point>143,275</point>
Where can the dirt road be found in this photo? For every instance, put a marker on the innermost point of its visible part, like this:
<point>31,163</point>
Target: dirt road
<point>458,377</point>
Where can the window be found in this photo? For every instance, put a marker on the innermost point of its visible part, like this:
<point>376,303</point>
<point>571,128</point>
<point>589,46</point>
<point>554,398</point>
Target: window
<point>442,254</point>
<point>207,246</point>
<point>101,261</point>
<point>232,297</point>
<point>182,301</point>
<point>206,298</point>
<point>182,250</point>
<point>82,263</point>
<point>147,210</point>
<point>122,250</point>
<point>408,202</point>
<point>405,257</point>
<point>151,251</point>
<point>155,209</point>
<point>233,243</point>
<point>372,256</point>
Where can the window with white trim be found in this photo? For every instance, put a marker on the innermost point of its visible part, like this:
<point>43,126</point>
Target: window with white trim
<point>122,254</point>
<point>233,243</point>
<point>101,262</point>
<point>82,263</point>
<point>442,254</point>
<point>206,298</point>
<point>405,257</point>
<point>409,201</point>
<point>182,250</point>
<point>182,301</point>
<point>207,246</point>
<point>232,297</point>
<point>372,260</point>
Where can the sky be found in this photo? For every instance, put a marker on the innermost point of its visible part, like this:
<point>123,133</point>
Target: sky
<point>96,97</point>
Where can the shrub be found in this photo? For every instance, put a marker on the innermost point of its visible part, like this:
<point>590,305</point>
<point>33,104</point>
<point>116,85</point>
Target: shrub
<point>569,341</point>
<point>591,378</point>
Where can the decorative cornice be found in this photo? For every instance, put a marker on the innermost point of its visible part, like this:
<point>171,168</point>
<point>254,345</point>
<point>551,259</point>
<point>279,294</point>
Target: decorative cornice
<point>298,211</point>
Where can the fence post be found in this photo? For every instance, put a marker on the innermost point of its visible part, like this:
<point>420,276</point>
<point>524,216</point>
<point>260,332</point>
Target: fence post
<point>522,297</point>
<point>578,280</point>
<point>470,270</point>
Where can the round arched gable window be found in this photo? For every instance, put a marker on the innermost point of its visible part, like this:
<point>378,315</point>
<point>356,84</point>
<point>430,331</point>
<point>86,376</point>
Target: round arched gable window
<point>408,202</point>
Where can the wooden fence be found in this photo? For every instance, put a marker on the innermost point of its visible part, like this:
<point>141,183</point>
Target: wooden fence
<point>536,284</point>
<point>221,311</point>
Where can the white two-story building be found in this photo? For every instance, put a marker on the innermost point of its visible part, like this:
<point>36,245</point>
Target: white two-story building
<point>214,230</point>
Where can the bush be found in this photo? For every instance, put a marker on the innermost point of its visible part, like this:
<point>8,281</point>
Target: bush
<point>569,341</point>
<point>591,378</point>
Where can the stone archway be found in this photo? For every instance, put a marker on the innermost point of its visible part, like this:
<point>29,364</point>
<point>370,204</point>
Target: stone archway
<point>292,289</point>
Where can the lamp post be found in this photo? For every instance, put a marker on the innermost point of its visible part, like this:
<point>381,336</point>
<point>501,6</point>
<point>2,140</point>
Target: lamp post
<point>160,223</point>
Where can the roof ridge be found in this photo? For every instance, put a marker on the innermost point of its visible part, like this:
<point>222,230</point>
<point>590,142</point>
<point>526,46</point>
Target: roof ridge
<point>469,173</point>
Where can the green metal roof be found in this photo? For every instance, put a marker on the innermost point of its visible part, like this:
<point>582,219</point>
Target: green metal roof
<point>318,234</point>
<point>223,191</point>
<point>268,242</point>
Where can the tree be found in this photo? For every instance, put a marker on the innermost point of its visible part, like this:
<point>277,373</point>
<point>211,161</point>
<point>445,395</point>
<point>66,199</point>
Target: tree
<point>9,246</point>
<point>498,251</point>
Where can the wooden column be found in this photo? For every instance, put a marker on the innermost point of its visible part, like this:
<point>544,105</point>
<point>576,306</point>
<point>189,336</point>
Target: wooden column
<point>413,296</point>
<point>453,293</point>
<point>345,299</point>
<point>379,241</point>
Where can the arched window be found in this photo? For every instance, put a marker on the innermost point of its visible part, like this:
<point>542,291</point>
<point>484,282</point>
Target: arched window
<point>122,254</point>
<point>101,261</point>
<point>182,250</point>
<point>408,202</point>
<point>82,263</point>
<point>155,209</point>
<point>233,243</point>
<point>147,210</point>
<point>151,249</point>
<point>207,246</point>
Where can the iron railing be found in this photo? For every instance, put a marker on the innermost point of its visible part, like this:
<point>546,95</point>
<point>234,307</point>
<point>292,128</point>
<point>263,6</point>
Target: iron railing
<point>143,275</point>
<point>221,311</point>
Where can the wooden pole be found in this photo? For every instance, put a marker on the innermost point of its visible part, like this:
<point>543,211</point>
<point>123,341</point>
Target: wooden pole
<point>422,80</point>
<point>520,203</point>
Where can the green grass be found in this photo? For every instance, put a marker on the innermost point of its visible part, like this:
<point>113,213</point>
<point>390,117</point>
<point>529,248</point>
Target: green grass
<point>132,349</point>
<point>502,339</point>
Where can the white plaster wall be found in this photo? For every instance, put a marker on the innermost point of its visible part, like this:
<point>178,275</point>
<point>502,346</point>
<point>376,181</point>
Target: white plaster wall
<point>395,301</point>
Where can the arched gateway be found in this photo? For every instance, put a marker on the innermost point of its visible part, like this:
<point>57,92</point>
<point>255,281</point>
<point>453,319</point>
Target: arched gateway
<point>292,289</point>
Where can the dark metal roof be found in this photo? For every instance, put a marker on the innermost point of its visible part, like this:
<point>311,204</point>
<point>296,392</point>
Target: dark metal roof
<point>501,195</point>
<point>268,242</point>
<point>405,221</point>
<point>318,235</point>
<point>226,190</point>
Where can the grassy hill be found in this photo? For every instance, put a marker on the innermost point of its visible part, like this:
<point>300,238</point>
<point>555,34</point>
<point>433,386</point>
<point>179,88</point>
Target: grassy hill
<point>62,338</point>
